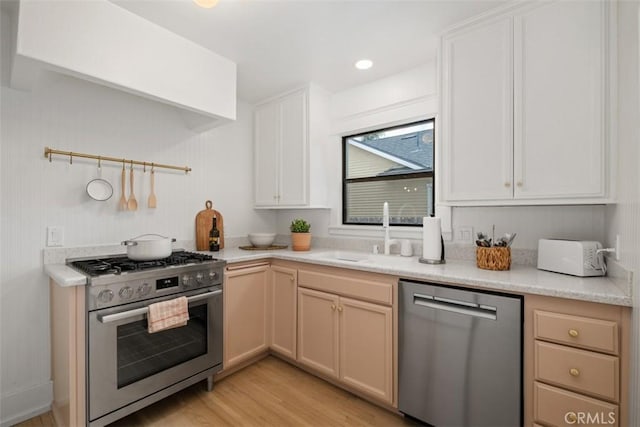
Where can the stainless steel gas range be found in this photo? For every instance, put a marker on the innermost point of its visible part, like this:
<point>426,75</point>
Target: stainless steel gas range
<point>129,368</point>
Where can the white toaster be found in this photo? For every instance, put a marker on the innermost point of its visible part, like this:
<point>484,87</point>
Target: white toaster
<point>575,257</point>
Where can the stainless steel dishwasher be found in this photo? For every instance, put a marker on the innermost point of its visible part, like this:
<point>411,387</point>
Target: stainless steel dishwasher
<point>460,356</point>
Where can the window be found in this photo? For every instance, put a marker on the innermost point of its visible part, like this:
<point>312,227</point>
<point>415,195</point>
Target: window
<point>393,165</point>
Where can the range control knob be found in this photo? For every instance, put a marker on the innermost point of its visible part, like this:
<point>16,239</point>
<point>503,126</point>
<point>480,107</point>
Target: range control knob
<point>105,296</point>
<point>199,278</point>
<point>186,281</point>
<point>213,275</point>
<point>144,289</point>
<point>126,292</point>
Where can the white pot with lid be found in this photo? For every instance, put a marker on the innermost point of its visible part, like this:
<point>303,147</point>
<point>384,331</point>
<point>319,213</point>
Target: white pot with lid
<point>149,247</point>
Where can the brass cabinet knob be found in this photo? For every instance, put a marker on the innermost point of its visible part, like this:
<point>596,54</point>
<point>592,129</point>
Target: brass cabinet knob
<point>571,417</point>
<point>507,184</point>
<point>519,184</point>
<point>574,372</point>
<point>291,278</point>
<point>573,333</point>
<point>340,309</point>
<point>333,306</point>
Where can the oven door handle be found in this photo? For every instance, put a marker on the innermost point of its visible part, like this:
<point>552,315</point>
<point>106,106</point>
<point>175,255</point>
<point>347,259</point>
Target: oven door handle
<point>108,318</point>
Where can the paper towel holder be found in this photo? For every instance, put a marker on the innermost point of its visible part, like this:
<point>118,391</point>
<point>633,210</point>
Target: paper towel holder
<point>435,261</point>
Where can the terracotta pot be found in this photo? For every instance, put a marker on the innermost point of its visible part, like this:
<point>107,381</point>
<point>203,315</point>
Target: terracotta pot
<point>301,241</point>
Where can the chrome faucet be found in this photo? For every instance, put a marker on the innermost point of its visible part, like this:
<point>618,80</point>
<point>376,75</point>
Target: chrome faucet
<point>385,224</point>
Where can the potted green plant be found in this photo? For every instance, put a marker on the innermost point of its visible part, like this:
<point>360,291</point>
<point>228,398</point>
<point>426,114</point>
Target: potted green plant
<point>300,236</point>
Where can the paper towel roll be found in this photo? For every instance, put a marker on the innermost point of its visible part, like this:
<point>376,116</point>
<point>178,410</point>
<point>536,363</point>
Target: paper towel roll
<point>431,238</point>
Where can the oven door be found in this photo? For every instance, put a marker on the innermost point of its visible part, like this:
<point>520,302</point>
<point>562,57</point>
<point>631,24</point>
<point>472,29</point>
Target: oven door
<point>127,364</point>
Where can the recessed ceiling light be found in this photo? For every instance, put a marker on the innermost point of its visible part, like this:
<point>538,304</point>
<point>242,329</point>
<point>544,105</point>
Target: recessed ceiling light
<point>207,4</point>
<point>364,64</point>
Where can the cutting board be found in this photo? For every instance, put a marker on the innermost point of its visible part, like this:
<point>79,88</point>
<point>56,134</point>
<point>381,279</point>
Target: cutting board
<point>203,226</point>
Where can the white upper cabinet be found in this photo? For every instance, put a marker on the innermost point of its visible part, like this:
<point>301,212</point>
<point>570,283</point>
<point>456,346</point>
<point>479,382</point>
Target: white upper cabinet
<point>477,112</point>
<point>560,140</point>
<point>525,106</point>
<point>290,145</point>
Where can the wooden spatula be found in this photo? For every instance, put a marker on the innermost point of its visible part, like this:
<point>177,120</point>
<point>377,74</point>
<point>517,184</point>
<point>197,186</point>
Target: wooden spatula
<point>122,205</point>
<point>132,204</point>
<point>152,202</point>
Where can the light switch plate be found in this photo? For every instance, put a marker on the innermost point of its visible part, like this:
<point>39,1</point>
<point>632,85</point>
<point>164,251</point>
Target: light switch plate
<point>55,235</point>
<point>464,234</point>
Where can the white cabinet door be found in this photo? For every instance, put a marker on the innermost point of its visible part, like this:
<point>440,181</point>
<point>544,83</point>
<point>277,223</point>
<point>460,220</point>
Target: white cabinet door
<point>477,112</point>
<point>266,154</point>
<point>294,177</point>
<point>282,152</point>
<point>559,96</point>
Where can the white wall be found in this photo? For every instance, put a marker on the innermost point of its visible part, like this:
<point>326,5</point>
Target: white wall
<point>623,219</point>
<point>410,96</point>
<point>70,114</point>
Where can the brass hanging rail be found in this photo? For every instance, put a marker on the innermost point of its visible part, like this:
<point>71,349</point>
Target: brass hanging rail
<point>48,152</point>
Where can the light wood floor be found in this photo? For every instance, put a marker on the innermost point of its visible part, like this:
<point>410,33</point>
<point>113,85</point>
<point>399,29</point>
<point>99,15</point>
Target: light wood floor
<point>268,393</point>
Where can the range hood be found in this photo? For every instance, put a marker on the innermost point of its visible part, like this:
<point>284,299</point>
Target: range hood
<point>103,43</point>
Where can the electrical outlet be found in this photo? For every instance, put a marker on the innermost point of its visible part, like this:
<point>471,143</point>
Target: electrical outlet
<point>55,235</point>
<point>464,234</point>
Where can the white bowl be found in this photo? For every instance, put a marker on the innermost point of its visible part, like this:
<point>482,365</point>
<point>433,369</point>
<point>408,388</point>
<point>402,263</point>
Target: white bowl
<point>261,240</point>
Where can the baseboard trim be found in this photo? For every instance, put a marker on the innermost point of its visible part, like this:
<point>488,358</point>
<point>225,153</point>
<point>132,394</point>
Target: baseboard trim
<point>27,403</point>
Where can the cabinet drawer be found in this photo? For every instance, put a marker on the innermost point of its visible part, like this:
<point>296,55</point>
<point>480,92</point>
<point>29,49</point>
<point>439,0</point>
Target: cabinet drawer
<point>584,371</point>
<point>363,286</point>
<point>555,407</point>
<point>593,334</point>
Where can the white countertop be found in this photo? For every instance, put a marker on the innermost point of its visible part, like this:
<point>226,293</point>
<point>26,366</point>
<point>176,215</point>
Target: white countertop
<point>520,279</point>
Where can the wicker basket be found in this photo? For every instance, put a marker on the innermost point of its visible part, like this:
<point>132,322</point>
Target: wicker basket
<point>494,258</point>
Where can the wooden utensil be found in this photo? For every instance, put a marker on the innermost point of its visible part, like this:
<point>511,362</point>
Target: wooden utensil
<point>152,202</point>
<point>132,204</point>
<point>122,205</point>
<point>203,225</point>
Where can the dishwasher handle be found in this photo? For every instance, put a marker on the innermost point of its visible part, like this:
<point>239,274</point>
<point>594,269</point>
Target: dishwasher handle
<point>456,306</point>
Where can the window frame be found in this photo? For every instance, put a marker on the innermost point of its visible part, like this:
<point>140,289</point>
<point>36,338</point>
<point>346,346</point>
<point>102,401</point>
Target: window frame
<point>346,181</point>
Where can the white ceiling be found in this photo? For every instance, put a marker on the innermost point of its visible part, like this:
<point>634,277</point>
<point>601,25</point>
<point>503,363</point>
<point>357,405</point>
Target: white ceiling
<point>279,45</point>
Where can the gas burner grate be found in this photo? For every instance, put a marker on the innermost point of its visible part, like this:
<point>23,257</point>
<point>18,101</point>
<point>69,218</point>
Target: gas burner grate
<point>122,264</point>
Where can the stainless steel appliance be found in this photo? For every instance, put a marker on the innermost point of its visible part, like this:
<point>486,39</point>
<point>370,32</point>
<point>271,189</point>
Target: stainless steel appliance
<point>460,356</point>
<point>128,368</point>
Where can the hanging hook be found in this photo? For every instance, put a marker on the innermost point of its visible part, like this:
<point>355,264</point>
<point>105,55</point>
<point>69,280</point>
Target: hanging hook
<point>49,156</point>
<point>131,164</point>
<point>144,167</point>
<point>99,162</point>
<point>70,157</point>
<point>152,167</point>
<point>122,164</point>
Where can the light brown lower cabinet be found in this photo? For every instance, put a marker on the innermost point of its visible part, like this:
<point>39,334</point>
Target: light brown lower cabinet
<point>366,347</point>
<point>68,354</point>
<point>347,339</point>
<point>318,331</point>
<point>557,407</point>
<point>576,363</point>
<point>283,295</point>
<point>246,320</point>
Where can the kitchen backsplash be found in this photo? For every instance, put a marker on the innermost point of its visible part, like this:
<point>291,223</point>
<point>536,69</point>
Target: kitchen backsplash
<point>452,251</point>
